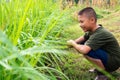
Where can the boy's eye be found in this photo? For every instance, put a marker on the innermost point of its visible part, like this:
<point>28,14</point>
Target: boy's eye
<point>81,21</point>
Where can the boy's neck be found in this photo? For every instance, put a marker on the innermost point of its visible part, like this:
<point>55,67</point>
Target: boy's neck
<point>95,27</point>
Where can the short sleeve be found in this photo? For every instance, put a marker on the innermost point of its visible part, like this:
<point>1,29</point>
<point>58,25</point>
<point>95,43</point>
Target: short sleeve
<point>87,35</point>
<point>97,41</point>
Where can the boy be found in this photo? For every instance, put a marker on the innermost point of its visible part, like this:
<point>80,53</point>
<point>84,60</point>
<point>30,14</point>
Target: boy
<point>98,45</point>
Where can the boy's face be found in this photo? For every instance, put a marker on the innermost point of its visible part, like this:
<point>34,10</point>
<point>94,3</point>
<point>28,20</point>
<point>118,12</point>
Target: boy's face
<point>85,22</point>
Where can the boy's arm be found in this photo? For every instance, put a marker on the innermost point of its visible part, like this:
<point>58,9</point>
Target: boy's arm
<point>84,49</point>
<point>80,39</point>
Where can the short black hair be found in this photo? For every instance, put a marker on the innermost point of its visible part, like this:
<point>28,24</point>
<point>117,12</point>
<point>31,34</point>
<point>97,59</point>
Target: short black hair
<point>89,11</point>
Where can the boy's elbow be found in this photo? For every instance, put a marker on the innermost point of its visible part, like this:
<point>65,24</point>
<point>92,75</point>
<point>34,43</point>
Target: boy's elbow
<point>85,49</point>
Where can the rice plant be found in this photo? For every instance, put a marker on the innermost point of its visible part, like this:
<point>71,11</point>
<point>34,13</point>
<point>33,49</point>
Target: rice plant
<point>31,46</point>
<point>29,32</point>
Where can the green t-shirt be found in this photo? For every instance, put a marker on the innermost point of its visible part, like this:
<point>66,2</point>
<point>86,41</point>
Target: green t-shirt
<point>103,39</point>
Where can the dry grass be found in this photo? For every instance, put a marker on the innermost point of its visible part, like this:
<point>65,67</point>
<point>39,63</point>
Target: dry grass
<point>112,23</point>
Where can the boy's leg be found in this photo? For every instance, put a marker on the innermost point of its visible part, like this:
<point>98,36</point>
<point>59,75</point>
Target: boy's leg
<point>97,62</point>
<point>98,57</point>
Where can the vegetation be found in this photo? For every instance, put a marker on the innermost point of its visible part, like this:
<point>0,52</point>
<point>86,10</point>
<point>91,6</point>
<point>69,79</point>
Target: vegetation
<point>30,31</point>
<point>33,35</point>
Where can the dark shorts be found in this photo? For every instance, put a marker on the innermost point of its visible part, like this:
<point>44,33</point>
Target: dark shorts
<point>99,54</point>
<point>105,58</point>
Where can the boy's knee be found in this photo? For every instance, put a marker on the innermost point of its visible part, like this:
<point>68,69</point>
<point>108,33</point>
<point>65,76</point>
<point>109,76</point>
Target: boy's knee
<point>99,54</point>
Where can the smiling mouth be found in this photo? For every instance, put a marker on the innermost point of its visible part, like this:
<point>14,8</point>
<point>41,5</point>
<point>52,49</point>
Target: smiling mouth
<point>83,27</point>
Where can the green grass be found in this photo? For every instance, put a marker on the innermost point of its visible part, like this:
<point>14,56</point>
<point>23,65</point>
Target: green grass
<point>29,38</point>
<point>33,37</point>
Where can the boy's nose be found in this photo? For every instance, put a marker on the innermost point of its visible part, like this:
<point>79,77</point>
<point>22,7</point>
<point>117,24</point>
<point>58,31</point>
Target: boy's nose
<point>81,25</point>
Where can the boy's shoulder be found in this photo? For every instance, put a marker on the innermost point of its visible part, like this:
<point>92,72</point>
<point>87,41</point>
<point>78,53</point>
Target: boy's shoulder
<point>101,31</point>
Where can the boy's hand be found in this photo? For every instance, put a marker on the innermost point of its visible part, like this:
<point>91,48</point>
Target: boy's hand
<point>71,42</point>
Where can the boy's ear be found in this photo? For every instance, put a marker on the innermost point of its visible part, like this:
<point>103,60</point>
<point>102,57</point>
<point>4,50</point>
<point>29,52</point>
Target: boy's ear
<point>92,19</point>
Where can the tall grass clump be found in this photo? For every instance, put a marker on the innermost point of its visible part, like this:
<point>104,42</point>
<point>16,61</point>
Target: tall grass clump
<point>29,39</point>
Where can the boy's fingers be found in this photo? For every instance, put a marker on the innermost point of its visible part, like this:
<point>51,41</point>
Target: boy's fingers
<point>69,46</point>
<point>69,42</point>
